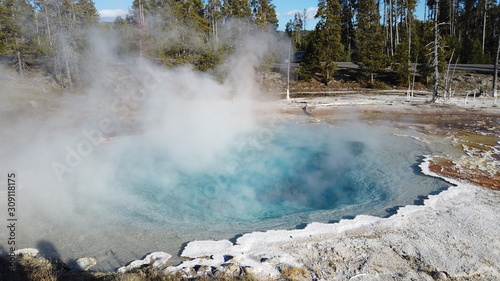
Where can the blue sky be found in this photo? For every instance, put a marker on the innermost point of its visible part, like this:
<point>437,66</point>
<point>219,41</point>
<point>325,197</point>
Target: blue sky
<point>286,9</point>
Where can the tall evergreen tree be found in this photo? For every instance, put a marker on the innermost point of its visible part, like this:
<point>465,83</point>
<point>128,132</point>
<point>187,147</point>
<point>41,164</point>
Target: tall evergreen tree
<point>264,14</point>
<point>86,12</point>
<point>370,52</point>
<point>325,47</point>
<point>17,17</point>
<point>295,30</point>
<point>404,19</point>
<point>238,9</point>
<point>348,27</point>
<point>192,13</point>
<point>213,13</point>
<point>145,8</point>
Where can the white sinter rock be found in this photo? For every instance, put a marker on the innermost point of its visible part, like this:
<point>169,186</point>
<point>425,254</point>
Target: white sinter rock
<point>155,259</point>
<point>453,234</point>
<point>30,252</point>
<point>84,264</point>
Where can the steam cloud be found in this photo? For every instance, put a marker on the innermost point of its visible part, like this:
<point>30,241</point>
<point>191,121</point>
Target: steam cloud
<point>68,158</point>
<point>112,14</point>
<point>145,145</point>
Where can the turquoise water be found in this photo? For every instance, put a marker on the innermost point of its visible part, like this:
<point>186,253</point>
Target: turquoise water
<point>297,168</point>
<point>133,195</point>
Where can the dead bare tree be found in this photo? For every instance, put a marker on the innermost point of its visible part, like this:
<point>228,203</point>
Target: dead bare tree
<point>495,72</point>
<point>449,78</point>
<point>65,60</point>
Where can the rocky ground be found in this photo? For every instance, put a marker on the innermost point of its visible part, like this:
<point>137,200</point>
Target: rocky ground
<point>469,125</point>
<point>453,236</point>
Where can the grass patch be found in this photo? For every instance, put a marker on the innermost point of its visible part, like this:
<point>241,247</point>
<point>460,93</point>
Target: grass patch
<point>40,269</point>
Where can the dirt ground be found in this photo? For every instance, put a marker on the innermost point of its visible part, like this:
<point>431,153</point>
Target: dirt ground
<point>472,126</point>
<point>469,126</point>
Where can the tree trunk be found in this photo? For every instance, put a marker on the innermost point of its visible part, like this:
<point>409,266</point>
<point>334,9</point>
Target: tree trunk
<point>436,57</point>
<point>37,29</point>
<point>396,23</point>
<point>495,72</point>
<point>390,29</point>
<point>20,64</point>
<point>304,16</point>
<point>484,23</point>
<point>386,29</point>
<point>216,34</point>
<point>409,23</point>
<point>68,73</point>
<point>48,27</point>
<point>452,16</point>
<point>288,72</point>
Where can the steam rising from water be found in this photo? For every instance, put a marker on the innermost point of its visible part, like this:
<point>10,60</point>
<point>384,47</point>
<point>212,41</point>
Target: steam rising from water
<point>176,151</point>
<point>187,115</point>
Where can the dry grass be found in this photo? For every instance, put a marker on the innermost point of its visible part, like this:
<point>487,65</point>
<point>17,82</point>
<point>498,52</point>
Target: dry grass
<point>40,269</point>
<point>293,273</point>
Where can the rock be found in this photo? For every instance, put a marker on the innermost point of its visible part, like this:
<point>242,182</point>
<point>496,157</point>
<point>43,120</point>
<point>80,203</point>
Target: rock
<point>28,252</point>
<point>205,271</point>
<point>34,104</point>
<point>198,249</point>
<point>439,275</point>
<point>155,259</point>
<point>188,272</point>
<point>83,264</point>
<point>230,270</point>
<point>365,277</point>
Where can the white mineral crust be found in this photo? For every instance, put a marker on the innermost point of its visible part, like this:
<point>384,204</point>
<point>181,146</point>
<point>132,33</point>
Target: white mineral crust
<point>155,259</point>
<point>454,234</point>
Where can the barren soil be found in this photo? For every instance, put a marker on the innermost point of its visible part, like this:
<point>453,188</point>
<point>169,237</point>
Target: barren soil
<point>454,236</point>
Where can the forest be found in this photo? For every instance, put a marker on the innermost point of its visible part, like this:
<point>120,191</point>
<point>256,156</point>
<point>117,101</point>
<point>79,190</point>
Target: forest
<point>374,34</point>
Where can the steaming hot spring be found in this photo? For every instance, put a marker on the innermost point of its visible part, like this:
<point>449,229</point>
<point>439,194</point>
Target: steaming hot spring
<point>187,159</point>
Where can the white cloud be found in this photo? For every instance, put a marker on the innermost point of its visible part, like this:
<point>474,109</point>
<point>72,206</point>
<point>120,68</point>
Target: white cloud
<point>310,12</point>
<point>112,14</point>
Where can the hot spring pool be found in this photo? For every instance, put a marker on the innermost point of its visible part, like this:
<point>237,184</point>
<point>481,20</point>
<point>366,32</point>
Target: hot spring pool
<point>151,198</point>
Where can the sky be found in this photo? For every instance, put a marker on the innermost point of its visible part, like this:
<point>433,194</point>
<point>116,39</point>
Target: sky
<point>286,9</point>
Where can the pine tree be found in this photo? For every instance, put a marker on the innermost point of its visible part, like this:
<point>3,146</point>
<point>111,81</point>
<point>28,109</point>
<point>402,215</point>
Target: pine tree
<point>401,63</point>
<point>404,22</point>
<point>8,27</point>
<point>348,27</point>
<point>143,9</point>
<point>238,9</point>
<point>325,47</point>
<point>86,12</point>
<point>4,33</point>
<point>213,13</point>
<point>264,14</point>
<point>329,29</point>
<point>294,30</point>
<point>17,17</point>
<point>466,28</point>
<point>370,52</point>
